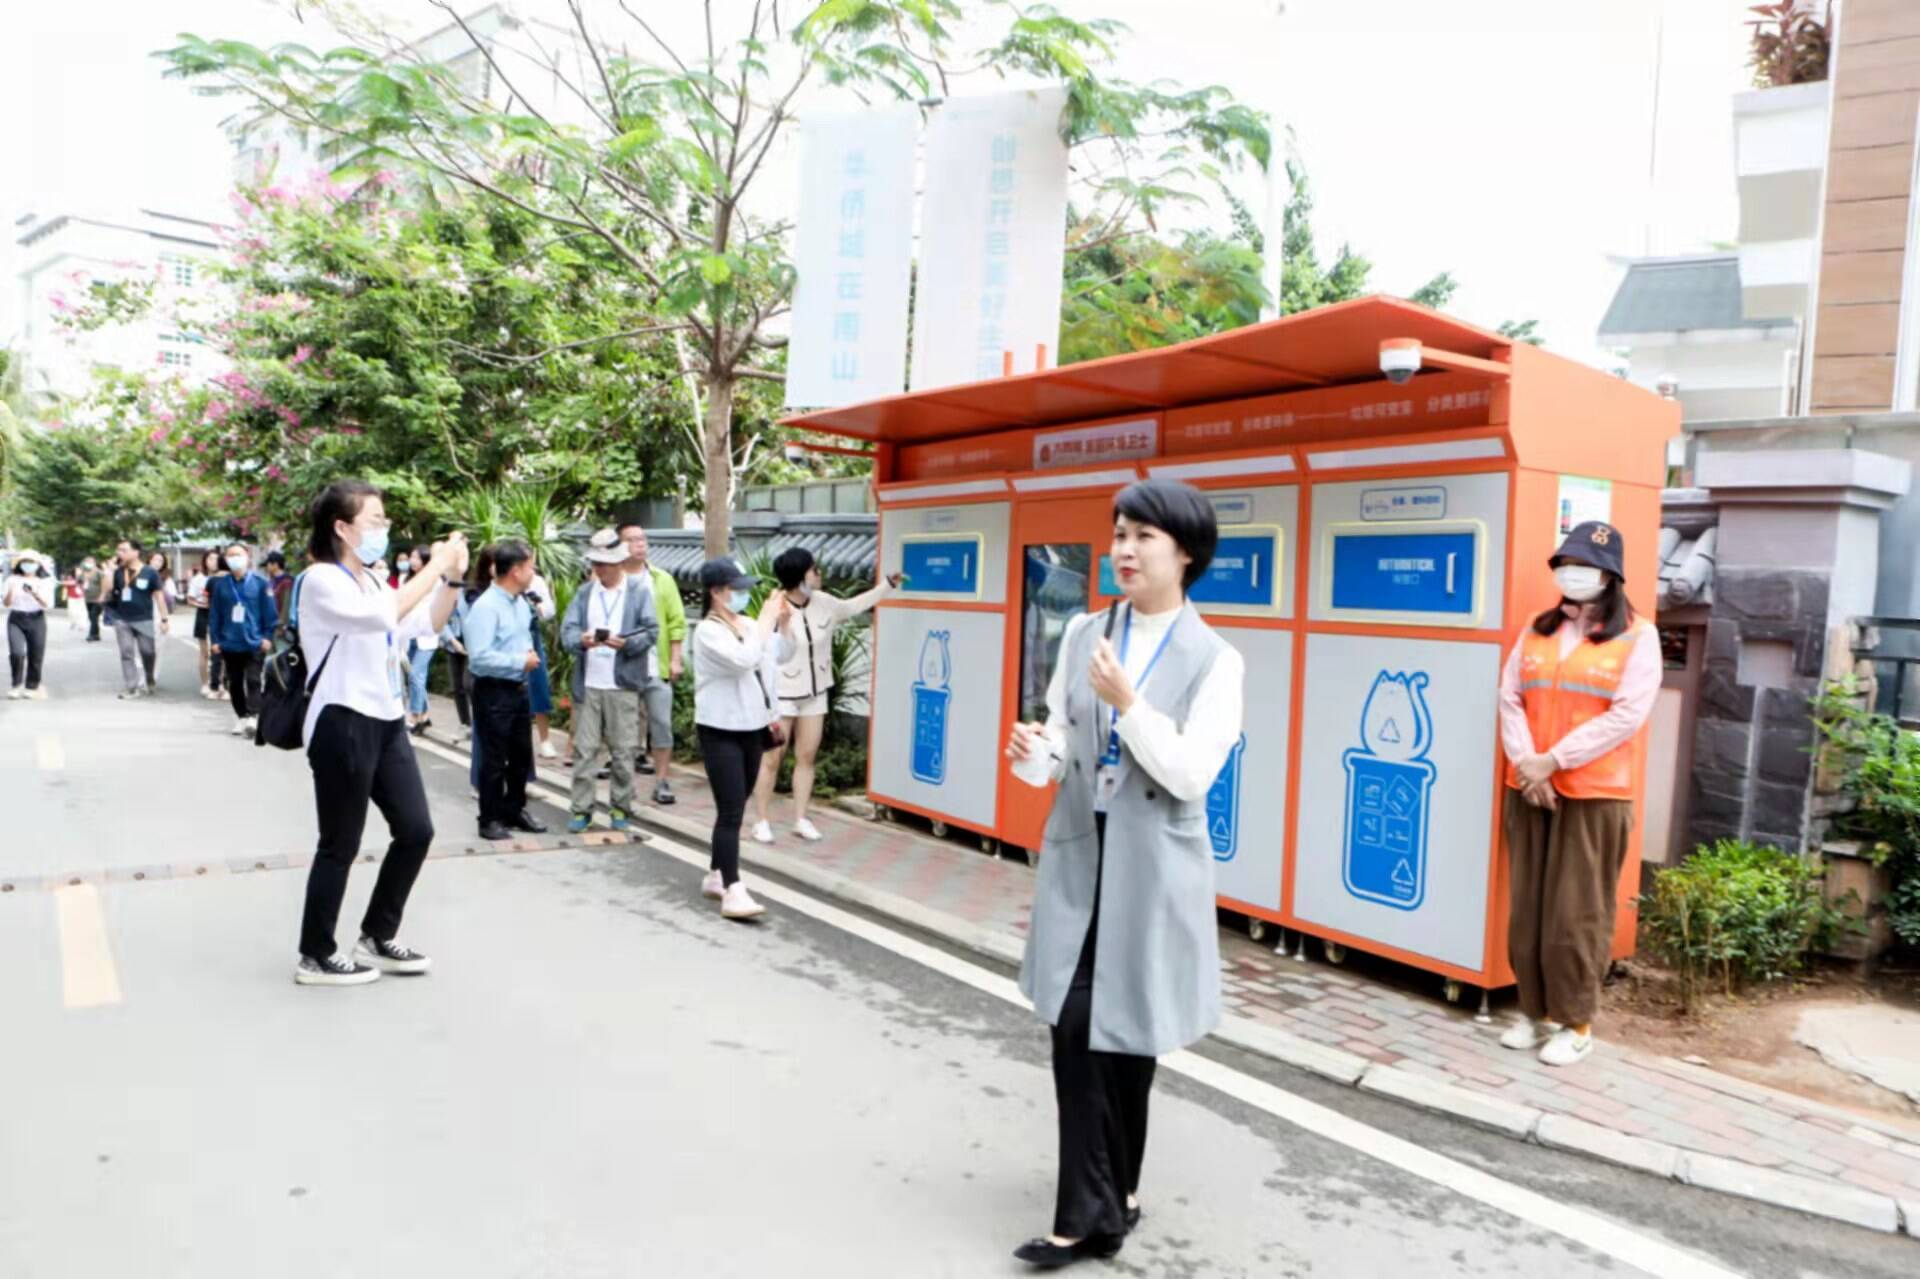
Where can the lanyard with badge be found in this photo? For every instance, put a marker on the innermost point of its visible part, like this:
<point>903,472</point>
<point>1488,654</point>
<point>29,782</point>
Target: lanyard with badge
<point>1111,758</point>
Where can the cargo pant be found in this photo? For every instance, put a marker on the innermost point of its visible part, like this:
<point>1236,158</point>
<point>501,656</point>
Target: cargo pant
<point>1565,875</point>
<point>610,718</point>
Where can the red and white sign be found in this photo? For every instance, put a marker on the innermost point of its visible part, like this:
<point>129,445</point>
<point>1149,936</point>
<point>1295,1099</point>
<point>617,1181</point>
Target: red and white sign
<point>1125,441</point>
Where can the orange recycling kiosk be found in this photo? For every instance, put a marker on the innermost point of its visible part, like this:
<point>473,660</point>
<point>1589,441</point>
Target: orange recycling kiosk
<point>1382,542</point>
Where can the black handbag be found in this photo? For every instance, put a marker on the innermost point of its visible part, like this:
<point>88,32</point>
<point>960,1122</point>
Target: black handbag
<point>286,690</point>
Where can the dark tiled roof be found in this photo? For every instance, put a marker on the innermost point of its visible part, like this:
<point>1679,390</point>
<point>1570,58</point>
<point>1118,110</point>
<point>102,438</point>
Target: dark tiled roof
<point>844,545</point>
<point>1677,295</point>
<point>1686,568</point>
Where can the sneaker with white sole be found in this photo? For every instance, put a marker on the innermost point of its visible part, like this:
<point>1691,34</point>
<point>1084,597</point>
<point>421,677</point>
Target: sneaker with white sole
<point>738,903</point>
<point>390,956</point>
<point>239,728</point>
<point>20,694</point>
<point>1567,1047</point>
<point>333,971</point>
<point>763,832</point>
<point>713,886</point>
<point>37,694</point>
<point>1526,1034</point>
<point>806,830</point>
<point>548,752</point>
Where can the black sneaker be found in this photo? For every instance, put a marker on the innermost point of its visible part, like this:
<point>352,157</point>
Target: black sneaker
<point>390,956</point>
<point>332,972</point>
<point>644,764</point>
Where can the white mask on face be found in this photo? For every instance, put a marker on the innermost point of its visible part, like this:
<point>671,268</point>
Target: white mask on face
<point>237,563</point>
<point>1579,582</point>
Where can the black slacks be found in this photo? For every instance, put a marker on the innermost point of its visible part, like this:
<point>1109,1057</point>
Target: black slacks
<point>356,760</point>
<point>503,730</point>
<point>457,671</point>
<point>26,647</point>
<point>242,672</point>
<point>93,620</point>
<point>732,758</point>
<point>1103,1106</point>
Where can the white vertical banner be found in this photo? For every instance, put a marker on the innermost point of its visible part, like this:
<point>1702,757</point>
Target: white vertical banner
<point>992,237</point>
<point>853,252</point>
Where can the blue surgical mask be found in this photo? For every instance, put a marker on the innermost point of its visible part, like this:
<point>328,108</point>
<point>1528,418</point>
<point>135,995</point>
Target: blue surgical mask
<point>373,546</point>
<point>739,600</point>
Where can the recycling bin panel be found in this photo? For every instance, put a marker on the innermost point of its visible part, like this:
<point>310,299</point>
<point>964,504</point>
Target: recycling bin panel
<point>956,552</point>
<point>1430,552</point>
<point>1247,805</point>
<point>1396,783</point>
<point>936,711</point>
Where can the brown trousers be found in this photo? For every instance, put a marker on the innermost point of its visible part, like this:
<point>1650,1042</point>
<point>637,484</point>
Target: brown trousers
<point>1566,868</point>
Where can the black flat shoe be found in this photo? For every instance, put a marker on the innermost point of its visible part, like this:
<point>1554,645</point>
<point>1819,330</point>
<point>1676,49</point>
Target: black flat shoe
<point>529,823</point>
<point>1133,1216</point>
<point>494,830</point>
<point>1044,1254</point>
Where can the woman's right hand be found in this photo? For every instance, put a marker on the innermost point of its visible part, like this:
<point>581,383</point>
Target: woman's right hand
<point>1026,741</point>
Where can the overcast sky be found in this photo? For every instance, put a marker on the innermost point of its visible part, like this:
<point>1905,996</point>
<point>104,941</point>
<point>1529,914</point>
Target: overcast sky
<point>1508,141</point>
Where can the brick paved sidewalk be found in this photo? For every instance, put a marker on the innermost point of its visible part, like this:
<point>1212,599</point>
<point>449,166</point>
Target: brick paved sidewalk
<point>1641,1108</point>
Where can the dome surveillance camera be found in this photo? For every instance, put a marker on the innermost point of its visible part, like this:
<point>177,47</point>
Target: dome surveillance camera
<point>1400,359</point>
<point>795,454</point>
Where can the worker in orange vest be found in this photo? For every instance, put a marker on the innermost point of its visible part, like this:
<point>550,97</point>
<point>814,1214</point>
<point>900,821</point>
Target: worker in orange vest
<point>1577,689</point>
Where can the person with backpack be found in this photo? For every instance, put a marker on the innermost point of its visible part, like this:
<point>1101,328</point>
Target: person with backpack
<point>241,618</point>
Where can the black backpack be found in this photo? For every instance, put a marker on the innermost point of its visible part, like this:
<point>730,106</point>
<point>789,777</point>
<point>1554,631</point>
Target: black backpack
<point>285,686</point>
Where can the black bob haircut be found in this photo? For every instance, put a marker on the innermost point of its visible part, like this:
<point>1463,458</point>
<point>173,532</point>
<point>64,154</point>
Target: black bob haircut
<point>340,500</point>
<point>1180,511</point>
<point>509,555</point>
<point>790,567</point>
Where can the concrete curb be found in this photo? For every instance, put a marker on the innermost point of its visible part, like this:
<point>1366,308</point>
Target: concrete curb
<point>1524,1123</point>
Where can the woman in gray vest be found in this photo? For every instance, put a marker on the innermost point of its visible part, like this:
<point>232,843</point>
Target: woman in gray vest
<point>1123,956</point>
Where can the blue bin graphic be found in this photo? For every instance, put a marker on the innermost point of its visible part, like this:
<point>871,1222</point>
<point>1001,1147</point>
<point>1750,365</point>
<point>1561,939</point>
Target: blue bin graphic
<point>1223,806</point>
<point>1389,795</point>
<point>932,693</point>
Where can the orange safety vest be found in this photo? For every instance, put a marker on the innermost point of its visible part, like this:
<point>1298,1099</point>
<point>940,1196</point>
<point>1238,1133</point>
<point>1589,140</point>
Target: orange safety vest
<point>1560,696</point>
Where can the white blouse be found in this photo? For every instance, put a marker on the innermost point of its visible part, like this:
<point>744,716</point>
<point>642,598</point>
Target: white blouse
<point>736,676</point>
<point>342,612</point>
<point>23,594</point>
<point>1184,759</point>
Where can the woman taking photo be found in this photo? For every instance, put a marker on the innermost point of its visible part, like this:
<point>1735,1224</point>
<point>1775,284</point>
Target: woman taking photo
<point>736,665</point>
<point>25,596</point>
<point>1577,689</point>
<point>353,627</point>
<point>1123,957</point>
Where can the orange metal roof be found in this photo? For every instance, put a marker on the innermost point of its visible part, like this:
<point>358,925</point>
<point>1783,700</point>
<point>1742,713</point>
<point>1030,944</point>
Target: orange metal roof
<point>1321,347</point>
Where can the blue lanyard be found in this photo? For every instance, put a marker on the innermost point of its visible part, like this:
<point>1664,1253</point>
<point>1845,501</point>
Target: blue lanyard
<point>1126,637</point>
<point>613,599</point>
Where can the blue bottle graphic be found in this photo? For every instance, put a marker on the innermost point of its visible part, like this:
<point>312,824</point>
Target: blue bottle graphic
<point>1389,792</point>
<point>931,694</point>
<point>1223,806</point>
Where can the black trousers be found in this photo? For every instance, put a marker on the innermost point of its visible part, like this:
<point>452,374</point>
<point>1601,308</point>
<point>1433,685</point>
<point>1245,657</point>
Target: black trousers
<point>356,760</point>
<point>93,620</point>
<point>1103,1107</point>
<point>26,647</point>
<point>503,733</point>
<point>732,758</point>
<point>457,669</point>
<point>242,672</point>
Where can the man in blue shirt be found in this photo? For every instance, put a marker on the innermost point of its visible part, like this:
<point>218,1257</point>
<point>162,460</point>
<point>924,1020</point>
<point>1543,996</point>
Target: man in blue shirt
<point>241,621</point>
<point>499,641</point>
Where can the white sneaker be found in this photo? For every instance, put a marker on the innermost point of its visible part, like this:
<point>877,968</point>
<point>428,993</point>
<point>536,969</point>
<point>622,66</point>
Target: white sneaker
<point>37,694</point>
<point>1566,1048</point>
<point>239,728</point>
<point>1526,1034</point>
<point>548,752</point>
<point>206,690</point>
<point>738,903</point>
<point>20,694</point>
<point>763,832</point>
<point>806,830</point>
<point>713,886</point>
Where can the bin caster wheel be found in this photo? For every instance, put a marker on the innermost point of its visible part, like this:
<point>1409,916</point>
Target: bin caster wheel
<point>1256,928</point>
<point>1033,859</point>
<point>1336,953</point>
<point>1452,991</point>
<point>939,830</point>
<point>989,845</point>
<point>881,813</point>
<point>1485,1016</point>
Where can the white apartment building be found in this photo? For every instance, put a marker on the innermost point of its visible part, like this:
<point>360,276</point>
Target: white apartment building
<point>59,257</point>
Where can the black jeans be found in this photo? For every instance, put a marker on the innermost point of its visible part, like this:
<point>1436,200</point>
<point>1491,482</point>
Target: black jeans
<point>26,647</point>
<point>356,759</point>
<point>732,758</point>
<point>457,670</point>
<point>503,734</point>
<point>93,620</point>
<point>1102,1098</point>
<point>242,672</point>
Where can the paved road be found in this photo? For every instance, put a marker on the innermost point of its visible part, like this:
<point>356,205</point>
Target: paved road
<point>602,1078</point>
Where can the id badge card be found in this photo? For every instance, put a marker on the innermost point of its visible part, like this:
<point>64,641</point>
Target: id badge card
<point>1110,758</point>
<point>240,612</point>
<point>393,673</point>
<point>126,595</point>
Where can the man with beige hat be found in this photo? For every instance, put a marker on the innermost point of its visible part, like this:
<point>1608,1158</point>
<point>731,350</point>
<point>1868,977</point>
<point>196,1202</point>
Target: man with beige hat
<point>610,629</point>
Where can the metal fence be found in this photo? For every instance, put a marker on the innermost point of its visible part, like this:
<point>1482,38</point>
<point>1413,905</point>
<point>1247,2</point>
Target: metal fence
<point>1892,644</point>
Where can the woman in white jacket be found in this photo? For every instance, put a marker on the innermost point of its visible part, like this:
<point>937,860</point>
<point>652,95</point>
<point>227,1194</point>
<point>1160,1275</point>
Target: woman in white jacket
<point>736,661</point>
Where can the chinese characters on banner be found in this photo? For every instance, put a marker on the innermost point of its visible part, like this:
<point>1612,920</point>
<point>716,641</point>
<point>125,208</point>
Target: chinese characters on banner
<point>853,251</point>
<point>1085,445</point>
<point>993,237</point>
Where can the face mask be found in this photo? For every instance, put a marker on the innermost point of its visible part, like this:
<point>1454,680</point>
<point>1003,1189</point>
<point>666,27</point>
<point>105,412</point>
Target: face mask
<point>373,546</point>
<point>739,600</point>
<point>803,592</point>
<point>237,563</point>
<point>1579,582</point>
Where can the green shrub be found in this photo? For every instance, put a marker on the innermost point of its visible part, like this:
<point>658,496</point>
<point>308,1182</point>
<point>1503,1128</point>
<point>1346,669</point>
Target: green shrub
<point>1736,912</point>
<point>1882,776</point>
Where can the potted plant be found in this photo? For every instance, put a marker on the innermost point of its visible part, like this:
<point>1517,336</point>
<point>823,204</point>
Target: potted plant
<point>1791,44</point>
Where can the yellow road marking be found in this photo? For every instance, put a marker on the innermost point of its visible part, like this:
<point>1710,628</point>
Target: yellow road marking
<point>52,755</point>
<point>85,956</point>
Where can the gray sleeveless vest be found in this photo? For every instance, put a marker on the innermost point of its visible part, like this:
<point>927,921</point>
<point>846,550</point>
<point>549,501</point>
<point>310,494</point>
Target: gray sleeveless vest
<point>1156,968</point>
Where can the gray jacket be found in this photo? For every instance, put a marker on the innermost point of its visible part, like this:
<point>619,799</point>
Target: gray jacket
<point>638,625</point>
<point>1156,965</point>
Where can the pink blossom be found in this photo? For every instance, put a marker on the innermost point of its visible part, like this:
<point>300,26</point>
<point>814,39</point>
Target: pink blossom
<point>301,355</point>
<point>275,474</point>
<point>276,194</point>
<point>157,435</point>
<point>351,430</point>
<point>59,303</point>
